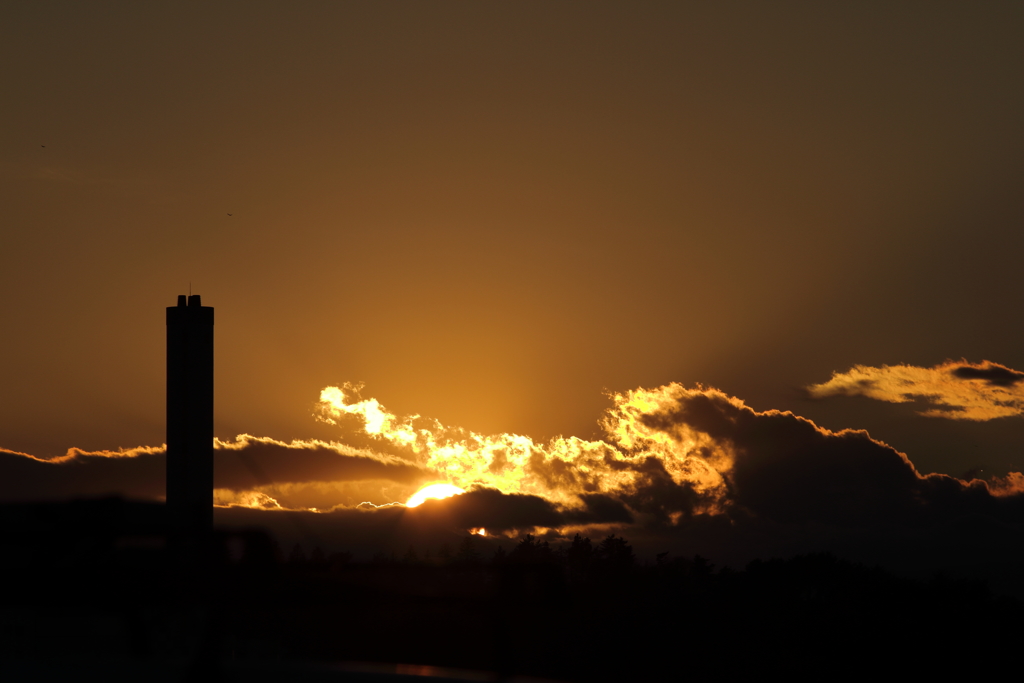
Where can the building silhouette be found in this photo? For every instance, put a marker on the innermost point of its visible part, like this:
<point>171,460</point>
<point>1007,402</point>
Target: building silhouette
<point>190,419</point>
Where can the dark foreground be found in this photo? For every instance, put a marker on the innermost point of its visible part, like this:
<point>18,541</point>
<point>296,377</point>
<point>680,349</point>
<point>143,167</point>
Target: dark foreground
<point>98,590</point>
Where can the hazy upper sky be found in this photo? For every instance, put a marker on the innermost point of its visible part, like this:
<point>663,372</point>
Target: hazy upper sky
<point>492,213</point>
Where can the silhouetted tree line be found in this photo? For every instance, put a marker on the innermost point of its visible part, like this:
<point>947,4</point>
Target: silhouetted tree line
<point>614,555</point>
<point>104,577</point>
<point>591,611</point>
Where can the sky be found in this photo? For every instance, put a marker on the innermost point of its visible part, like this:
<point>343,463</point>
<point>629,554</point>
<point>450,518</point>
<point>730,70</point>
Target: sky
<point>508,219</point>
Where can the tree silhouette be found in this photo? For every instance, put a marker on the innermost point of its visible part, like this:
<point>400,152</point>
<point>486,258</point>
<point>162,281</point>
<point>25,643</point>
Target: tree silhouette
<point>297,555</point>
<point>614,556</point>
<point>468,553</point>
<point>444,555</point>
<point>578,557</point>
<point>529,551</point>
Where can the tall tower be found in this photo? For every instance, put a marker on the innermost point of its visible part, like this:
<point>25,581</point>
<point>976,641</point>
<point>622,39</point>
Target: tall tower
<point>190,417</point>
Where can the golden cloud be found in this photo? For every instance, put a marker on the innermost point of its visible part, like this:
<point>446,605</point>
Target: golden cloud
<point>635,457</point>
<point>954,390</point>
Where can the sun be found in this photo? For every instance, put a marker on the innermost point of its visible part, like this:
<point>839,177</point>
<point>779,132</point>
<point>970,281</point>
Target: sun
<point>438,491</point>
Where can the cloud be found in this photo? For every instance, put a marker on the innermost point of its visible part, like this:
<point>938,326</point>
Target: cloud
<point>369,530</point>
<point>248,470</point>
<point>1010,485</point>
<point>661,478</point>
<point>673,454</point>
<point>135,472</point>
<point>954,390</point>
<point>490,509</point>
<point>687,469</point>
<point>785,468</point>
<point>251,462</point>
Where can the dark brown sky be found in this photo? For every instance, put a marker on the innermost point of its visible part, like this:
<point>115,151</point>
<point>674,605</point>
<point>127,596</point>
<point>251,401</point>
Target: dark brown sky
<point>490,213</point>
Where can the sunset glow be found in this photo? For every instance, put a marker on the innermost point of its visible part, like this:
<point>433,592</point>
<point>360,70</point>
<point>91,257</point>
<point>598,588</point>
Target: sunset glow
<point>565,467</point>
<point>437,491</point>
<point>583,342</point>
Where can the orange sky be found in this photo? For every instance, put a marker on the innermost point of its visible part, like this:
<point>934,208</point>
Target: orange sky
<point>492,214</point>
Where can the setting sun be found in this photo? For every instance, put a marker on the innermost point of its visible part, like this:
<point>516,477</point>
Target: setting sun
<point>437,491</point>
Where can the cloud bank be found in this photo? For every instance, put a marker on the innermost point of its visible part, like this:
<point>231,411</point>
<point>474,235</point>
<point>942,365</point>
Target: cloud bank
<point>673,455</point>
<point>680,468</point>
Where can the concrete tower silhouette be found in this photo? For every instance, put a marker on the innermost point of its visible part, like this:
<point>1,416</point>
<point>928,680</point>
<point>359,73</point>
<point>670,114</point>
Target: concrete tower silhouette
<point>190,417</point>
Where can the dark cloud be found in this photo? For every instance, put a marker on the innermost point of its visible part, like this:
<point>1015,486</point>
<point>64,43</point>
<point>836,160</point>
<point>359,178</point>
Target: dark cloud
<point>492,510</point>
<point>249,462</point>
<point>993,373</point>
<point>244,464</point>
<point>787,469</point>
<point>653,491</point>
<point>365,530</point>
<point>794,487</point>
<point>139,474</point>
<point>600,509</point>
